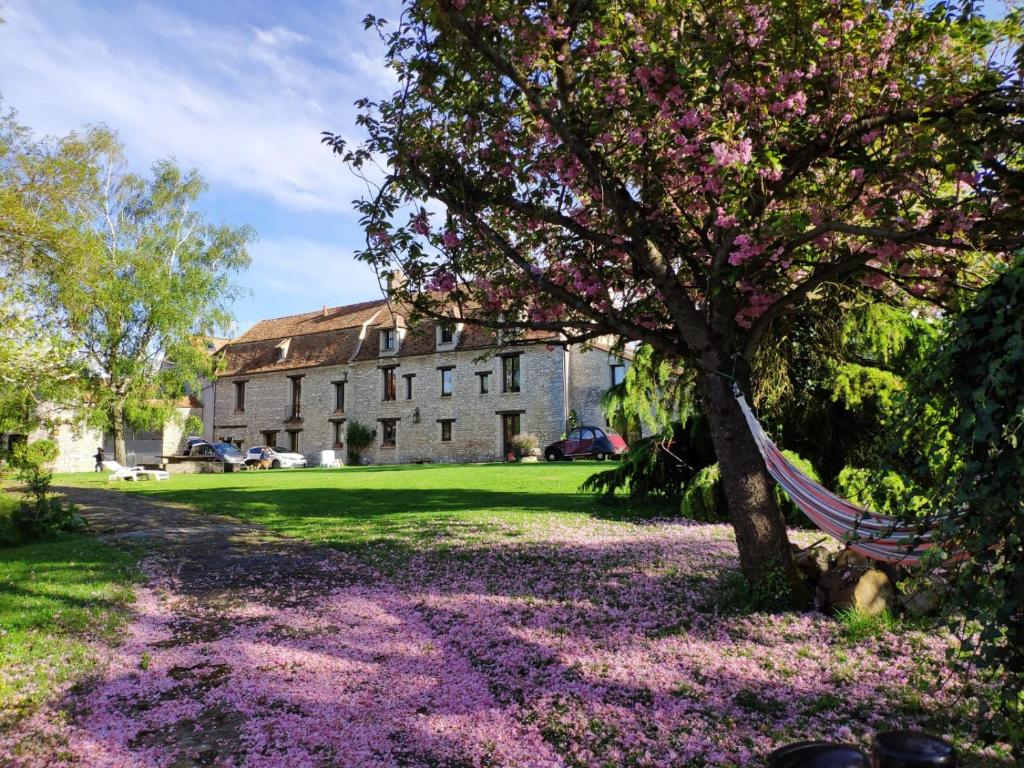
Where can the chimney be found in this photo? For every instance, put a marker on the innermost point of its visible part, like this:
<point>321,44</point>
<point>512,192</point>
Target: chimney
<point>396,279</point>
<point>325,310</point>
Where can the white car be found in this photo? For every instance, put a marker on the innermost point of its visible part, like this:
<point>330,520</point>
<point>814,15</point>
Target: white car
<point>278,459</point>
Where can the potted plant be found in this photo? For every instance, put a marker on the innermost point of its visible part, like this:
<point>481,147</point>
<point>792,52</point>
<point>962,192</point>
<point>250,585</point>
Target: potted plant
<point>526,447</point>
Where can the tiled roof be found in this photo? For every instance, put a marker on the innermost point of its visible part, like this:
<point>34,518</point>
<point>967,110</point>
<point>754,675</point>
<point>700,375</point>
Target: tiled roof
<point>330,319</point>
<point>331,337</point>
<point>331,347</point>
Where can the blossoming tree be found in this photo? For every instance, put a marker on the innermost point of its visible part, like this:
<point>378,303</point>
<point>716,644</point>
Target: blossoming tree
<point>681,174</point>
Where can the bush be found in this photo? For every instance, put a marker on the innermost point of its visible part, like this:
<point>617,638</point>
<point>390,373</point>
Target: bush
<point>795,518</point>
<point>526,444</point>
<point>704,499</point>
<point>975,382</point>
<point>40,514</point>
<point>358,438</point>
<point>659,466</point>
<point>650,468</point>
<point>885,492</point>
<point>194,426</point>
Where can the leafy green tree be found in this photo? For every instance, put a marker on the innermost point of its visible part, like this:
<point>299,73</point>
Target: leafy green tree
<point>965,430</point>
<point>684,174</point>
<point>121,268</point>
<point>36,365</point>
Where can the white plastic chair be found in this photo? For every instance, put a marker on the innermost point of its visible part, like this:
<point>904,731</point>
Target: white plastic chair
<point>119,472</point>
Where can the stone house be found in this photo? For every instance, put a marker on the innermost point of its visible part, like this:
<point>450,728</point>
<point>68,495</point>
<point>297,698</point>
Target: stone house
<point>433,392</point>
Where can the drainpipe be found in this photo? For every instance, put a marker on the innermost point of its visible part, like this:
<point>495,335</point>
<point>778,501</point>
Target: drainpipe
<point>566,372</point>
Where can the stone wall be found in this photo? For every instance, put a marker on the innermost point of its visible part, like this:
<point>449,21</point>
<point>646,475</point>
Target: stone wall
<point>590,376</point>
<point>476,418</point>
<point>194,467</point>
<point>173,435</point>
<point>76,444</point>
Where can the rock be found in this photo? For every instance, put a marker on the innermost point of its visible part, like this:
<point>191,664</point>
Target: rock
<point>812,562</point>
<point>926,598</point>
<point>861,588</point>
<point>848,558</point>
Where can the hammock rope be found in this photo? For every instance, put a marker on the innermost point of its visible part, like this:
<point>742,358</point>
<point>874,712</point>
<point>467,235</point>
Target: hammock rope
<point>876,536</point>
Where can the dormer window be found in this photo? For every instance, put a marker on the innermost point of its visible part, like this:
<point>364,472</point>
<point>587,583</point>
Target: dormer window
<point>282,350</point>
<point>388,340</point>
<point>446,335</point>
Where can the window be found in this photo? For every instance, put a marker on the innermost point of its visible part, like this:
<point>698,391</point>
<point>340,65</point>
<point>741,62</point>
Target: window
<point>618,373</point>
<point>270,438</point>
<point>447,333</point>
<point>387,340</point>
<point>293,440</point>
<point>389,432</point>
<point>296,398</point>
<point>339,396</point>
<point>408,385</point>
<point>446,430</point>
<point>239,396</point>
<point>485,381</point>
<point>338,427</point>
<point>510,373</point>
<point>446,382</point>
<point>389,383</point>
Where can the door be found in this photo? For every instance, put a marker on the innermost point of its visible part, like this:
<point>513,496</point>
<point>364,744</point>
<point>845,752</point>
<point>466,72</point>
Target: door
<point>509,429</point>
<point>586,446</point>
<point>572,443</point>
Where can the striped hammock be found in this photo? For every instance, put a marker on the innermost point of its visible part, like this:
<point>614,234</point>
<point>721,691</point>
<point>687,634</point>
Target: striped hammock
<point>879,537</point>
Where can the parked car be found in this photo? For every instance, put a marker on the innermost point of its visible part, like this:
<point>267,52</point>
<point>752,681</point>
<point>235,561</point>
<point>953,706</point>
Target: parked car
<point>278,459</point>
<point>224,452</point>
<point>587,443</point>
<point>191,443</point>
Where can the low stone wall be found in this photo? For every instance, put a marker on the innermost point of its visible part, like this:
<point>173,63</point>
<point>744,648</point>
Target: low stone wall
<point>181,465</point>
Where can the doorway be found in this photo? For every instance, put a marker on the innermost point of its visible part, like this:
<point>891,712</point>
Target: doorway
<point>509,428</point>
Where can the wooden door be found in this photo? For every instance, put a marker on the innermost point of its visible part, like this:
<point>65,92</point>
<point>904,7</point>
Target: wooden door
<point>509,429</point>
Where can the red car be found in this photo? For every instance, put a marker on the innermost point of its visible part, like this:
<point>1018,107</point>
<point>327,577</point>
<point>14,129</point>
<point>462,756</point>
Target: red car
<point>587,443</point>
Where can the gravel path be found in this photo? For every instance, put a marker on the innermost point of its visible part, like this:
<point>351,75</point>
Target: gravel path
<point>250,649</point>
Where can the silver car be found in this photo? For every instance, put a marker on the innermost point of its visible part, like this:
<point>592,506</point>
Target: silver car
<point>278,459</point>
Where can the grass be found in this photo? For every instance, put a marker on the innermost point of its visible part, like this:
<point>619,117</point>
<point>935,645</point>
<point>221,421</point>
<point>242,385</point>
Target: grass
<point>858,626</point>
<point>394,506</point>
<point>58,598</point>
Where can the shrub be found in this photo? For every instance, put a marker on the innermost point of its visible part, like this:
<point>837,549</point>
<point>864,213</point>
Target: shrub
<point>40,514</point>
<point>794,517</point>
<point>885,492</point>
<point>32,466</point>
<point>975,382</point>
<point>359,437</point>
<point>704,499</point>
<point>526,444</point>
<point>649,468</point>
<point>194,426</point>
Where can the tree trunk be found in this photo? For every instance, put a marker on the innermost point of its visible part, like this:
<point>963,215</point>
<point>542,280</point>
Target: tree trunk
<point>760,530</point>
<point>118,423</point>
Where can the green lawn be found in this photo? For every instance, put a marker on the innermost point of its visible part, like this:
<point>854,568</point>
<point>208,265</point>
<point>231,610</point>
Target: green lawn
<point>57,599</point>
<point>401,506</point>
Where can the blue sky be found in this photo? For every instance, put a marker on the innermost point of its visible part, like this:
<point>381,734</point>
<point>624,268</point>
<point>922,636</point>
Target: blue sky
<point>239,90</point>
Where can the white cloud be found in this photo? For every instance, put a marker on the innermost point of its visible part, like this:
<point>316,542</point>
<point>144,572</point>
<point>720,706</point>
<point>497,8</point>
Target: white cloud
<point>238,103</point>
<point>280,37</point>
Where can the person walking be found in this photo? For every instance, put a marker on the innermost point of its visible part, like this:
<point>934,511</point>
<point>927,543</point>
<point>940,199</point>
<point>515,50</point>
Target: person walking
<point>99,459</point>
